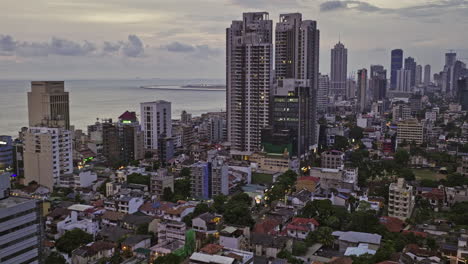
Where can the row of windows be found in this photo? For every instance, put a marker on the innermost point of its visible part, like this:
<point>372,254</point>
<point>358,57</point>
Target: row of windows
<point>4,219</point>
<point>16,241</point>
<point>18,253</point>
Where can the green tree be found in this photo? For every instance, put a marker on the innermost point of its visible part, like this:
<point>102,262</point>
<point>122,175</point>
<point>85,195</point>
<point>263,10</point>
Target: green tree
<point>142,229</point>
<point>322,235</point>
<point>299,248</point>
<point>219,203</point>
<point>237,210</point>
<point>365,221</point>
<point>55,258</point>
<point>406,173</point>
<point>402,157</point>
<point>137,178</point>
<point>185,172</point>
<point>168,259</point>
<point>341,143</point>
<point>73,239</point>
<point>168,195</point>
<point>356,133</point>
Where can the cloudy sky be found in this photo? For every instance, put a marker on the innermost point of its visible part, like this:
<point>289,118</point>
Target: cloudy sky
<point>79,39</point>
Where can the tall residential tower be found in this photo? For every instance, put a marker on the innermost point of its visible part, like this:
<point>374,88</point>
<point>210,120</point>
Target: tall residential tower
<point>249,78</point>
<point>396,64</point>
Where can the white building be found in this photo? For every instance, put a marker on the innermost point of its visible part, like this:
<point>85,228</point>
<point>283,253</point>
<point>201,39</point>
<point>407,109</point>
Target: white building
<point>47,155</point>
<point>401,199</point>
<point>156,122</point>
<point>80,179</point>
<point>72,221</point>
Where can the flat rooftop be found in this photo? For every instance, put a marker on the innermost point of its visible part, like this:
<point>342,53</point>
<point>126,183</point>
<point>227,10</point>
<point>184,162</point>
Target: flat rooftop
<point>13,201</point>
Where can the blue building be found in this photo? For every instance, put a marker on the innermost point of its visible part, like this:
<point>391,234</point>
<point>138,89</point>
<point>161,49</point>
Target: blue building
<point>6,152</point>
<point>396,64</point>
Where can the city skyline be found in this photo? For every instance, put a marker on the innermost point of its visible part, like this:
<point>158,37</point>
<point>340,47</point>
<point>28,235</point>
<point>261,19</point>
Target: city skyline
<point>148,39</point>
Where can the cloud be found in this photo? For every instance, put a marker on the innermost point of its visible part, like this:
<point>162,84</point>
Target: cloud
<point>422,10</point>
<point>266,3</point>
<point>201,51</point>
<point>178,47</point>
<point>133,47</point>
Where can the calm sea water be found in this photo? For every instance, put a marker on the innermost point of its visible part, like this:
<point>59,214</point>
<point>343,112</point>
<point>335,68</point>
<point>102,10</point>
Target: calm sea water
<point>93,99</point>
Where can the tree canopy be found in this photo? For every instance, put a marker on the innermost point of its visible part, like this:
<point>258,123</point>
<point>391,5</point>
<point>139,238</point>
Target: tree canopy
<point>73,239</point>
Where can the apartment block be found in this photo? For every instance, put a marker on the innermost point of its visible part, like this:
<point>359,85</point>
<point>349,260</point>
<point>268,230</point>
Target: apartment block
<point>401,199</point>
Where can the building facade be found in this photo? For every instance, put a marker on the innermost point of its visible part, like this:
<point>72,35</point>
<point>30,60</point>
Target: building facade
<point>362,90</point>
<point>396,64</point>
<point>48,102</point>
<point>6,152</point>
<point>47,155</point>
<point>401,199</point>
<point>249,78</point>
<point>339,70</point>
<point>410,130</point>
<point>155,122</point>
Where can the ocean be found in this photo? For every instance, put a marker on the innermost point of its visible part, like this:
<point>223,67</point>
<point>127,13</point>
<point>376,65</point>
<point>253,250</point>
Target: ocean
<point>92,99</point>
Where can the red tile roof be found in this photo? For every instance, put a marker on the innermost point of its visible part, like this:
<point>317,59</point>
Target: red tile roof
<point>131,116</point>
<point>416,233</point>
<point>266,226</point>
<point>392,224</point>
<point>301,224</point>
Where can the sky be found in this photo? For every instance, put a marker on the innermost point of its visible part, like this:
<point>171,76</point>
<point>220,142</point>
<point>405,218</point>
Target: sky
<point>112,39</point>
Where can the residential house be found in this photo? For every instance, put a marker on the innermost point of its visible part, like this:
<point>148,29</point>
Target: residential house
<point>134,242</point>
<point>299,227</point>
<point>267,245</point>
<point>92,252</point>
<point>206,223</point>
<point>353,239</point>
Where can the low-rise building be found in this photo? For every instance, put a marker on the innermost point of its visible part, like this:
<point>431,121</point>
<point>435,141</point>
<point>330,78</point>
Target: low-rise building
<point>409,131</point>
<point>92,252</point>
<point>161,181</point>
<point>332,159</point>
<point>353,239</point>
<point>206,223</point>
<point>299,227</point>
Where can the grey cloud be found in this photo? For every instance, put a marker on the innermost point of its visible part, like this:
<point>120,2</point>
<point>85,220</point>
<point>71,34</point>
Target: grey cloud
<point>422,10</point>
<point>178,47</point>
<point>63,47</point>
<point>202,51</point>
<point>110,47</point>
<point>267,3</point>
<point>134,47</point>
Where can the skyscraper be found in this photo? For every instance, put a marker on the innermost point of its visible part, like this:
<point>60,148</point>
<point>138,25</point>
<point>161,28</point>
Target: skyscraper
<point>339,70</point>
<point>378,82</point>
<point>249,78</point>
<point>427,74</point>
<point>156,123</point>
<point>419,74</point>
<point>48,104</point>
<point>296,48</point>
<point>296,61</point>
<point>463,93</point>
<point>450,58</point>
<point>396,64</point>
<point>322,93</point>
<point>362,90</point>
<point>410,65</point>
<point>403,80</point>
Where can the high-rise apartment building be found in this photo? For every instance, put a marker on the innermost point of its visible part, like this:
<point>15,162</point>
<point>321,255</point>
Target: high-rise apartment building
<point>322,93</point>
<point>378,82</point>
<point>427,74</point>
<point>362,90</point>
<point>249,78</point>
<point>403,81</point>
<point>21,227</point>
<point>351,88</point>
<point>396,64</point>
<point>296,48</point>
<point>156,123</point>
<point>48,104</point>
<point>401,199</point>
<point>47,155</point>
<point>297,63</point>
<point>339,70</point>
<point>463,93</point>
<point>410,65</point>
<point>419,74</point>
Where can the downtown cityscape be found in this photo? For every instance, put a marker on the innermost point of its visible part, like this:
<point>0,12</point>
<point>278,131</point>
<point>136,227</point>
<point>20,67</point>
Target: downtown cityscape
<point>282,161</point>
